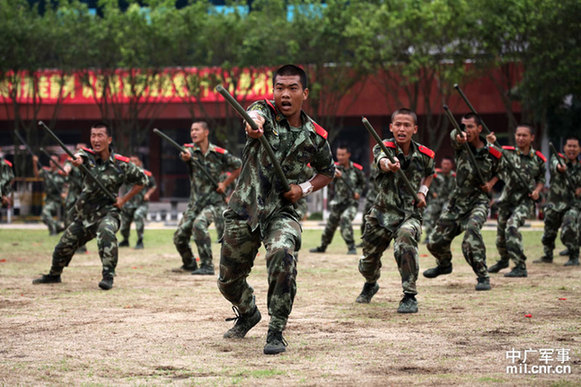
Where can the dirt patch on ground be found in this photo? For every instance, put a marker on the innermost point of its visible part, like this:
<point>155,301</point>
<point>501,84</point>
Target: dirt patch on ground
<point>158,327</point>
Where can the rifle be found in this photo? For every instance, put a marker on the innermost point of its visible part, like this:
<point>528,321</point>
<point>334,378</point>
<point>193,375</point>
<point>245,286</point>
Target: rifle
<point>567,177</point>
<point>263,141</point>
<point>50,158</point>
<point>511,167</point>
<point>82,166</point>
<point>26,146</point>
<point>399,172</point>
<point>471,157</point>
<point>182,149</point>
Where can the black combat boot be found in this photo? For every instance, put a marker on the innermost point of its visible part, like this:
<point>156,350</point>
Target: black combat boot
<point>572,262</point>
<point>483,283</point>
<point>139,244</point>
<point>107,281</point>
<point>48,279</point>
<point>351,249</point>
<point>544,259</point>
<point>204,270</point>
<point>517,271</point>
<point>367,293</point>
<point>124,243</point>
<point>498,266</point>
<point>275,343</point>
<point>244,323</point>
<point>408,304</point>
<point>319,249</point>
<point>436,271</point>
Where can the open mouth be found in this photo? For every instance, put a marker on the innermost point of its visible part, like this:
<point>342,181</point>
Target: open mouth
<point>286,104</point>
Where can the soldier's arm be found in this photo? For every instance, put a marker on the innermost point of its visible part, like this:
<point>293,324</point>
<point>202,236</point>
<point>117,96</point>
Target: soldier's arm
<point>121,200</point>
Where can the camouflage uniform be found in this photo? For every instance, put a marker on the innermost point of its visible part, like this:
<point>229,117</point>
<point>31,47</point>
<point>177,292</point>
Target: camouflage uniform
<point>515,205</point>
<point>467,209</point>
<point>371,194</point>
<point>257,213</point>
<point>563,209</point>
<point>75,186</point>
<point>205,204</point>
<point>394,216</point>
<point>135,210</point>
<point>95,215</point>
<point>53,185</point>
<point>6,177</point>
<point>343,205</point>
<point>443,186</point>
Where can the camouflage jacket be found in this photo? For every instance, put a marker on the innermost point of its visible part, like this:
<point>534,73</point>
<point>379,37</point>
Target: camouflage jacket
<point>6,177</point>
<point>393,197</point>
<point>372,186</point>
<point>561,195</point>
<point>531,167</point>
<point>93,204</point>
<point>139,197</point>
<point>488,159</point>
<point>352,181</point>
<point>258,193</point>
<point>74,184</point>
<point>54,182</point>
<point>442,186</point>
<point>216,161</point>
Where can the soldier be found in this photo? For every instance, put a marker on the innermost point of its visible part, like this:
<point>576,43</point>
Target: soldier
<point>206,202</point>
<point>74,186</point>
<point>96,215</point>
<point>564,203</point>
<point>6,177</point>
<point>468,205</point>
<point>516,203</point>
<point>259,213</point>
<point>396,213</point>
<point>54,180</point>
<point>349,184</point>
<point>441,189</point>
<point>136,209</point>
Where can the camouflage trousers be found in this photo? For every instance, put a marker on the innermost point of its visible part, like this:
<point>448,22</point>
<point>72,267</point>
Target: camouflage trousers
<point>69,210</point>
<point>49,210</point>
<point>368,205</point>
<point>376,239</point>
<point>508,237</point>
<point>137,215</point>
<point>468,218</point>
<point>568,220</point>
<point>196,221</point>
<point>77,235</point>
<point>281,238</point>
<point>431,215</point>
<point>342,215</point>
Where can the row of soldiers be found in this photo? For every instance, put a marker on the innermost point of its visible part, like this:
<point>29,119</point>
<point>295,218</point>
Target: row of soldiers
<point>262,211</point>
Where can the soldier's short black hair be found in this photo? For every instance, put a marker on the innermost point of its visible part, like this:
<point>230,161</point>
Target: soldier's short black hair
<point>203,123</point>
<point>528,126</point>
<point>99,125</point>
<point>476,117</point>
<point>290,69</point>
<point>343,145</point>
<point>405,111</point>
<point>572,137</point>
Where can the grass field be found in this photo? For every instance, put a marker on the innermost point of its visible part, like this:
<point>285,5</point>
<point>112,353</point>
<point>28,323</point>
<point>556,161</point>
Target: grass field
<point>157,327</point>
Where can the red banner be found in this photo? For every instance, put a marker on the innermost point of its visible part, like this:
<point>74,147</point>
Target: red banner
<point>141,86</point>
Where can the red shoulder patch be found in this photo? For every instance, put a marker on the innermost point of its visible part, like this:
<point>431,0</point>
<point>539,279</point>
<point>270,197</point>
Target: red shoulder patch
<point>495,152</point>
<point>270,104</point>
<point>541,156</point>
<point>507,147</point>
<point>8,163</point>
<point>147,173</point>
<point>88,150</point>
<point>562,155</point>
<point>189,145</point>
<point>453,173</point>
<point>358,166</point>
<point>121,158</point>
<point>336,163</point>
<point>320,131</point>
<point>427,151</point>
<point>219,150</point>
<point>389,144</point>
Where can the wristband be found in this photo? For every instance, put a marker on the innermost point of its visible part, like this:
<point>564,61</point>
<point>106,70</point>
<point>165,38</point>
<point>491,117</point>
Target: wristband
<point>306,187</point>
<point>424,190</point>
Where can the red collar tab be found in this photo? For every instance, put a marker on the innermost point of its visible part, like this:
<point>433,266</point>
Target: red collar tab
<point>219,150</point>
<point>121,158</point>
<point>507,147</point>
<point>427,151</point>
<point>389,144</point>
<point>8,163</point>
<point>358,166</point>
<point>541,156</point>
<point>88,150</point>
<point>320,131</point>
<point>495,152</point>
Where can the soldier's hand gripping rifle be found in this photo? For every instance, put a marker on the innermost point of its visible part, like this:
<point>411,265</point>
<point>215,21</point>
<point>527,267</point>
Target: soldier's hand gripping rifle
<point>471,157</point>
<point>567,177</point>
<point>408,186</point>
<point>83,167</point>
<point>511,166</point>
<point>26,146</point>
<point>50,158</point>
<point>348,185</point>
<point>263,141</point>
<point>211,178</point>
